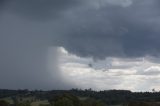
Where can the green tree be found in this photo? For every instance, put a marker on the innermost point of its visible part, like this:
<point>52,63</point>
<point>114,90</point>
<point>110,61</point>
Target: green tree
<point>65,100</point>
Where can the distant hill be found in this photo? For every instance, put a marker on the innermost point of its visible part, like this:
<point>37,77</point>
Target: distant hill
<point>107,96</point>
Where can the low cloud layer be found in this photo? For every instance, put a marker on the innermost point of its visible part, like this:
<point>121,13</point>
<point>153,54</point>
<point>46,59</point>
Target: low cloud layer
<point>111,73</point>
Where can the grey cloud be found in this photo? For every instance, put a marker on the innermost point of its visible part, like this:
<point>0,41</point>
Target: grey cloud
<point>2,3</point>
<point>24,52</point>
<point>41,10</point>
<point>110,30</point>
<point>79,26</point>
<point>113,31</point>
<point>151,71</point>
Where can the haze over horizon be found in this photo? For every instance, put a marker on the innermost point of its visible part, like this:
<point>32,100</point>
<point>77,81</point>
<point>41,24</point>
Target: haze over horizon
<point>64,44</point>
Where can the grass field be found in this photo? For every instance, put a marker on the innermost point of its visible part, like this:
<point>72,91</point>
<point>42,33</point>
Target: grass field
<point>8,99</point>
<point>33,103</point>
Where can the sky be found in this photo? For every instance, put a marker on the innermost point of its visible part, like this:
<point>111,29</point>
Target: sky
<point>64,44</point>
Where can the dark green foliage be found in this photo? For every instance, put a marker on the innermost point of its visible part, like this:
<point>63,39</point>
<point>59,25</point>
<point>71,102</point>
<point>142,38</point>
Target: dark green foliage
<point>92,102</point>
<point>143,104</point>
<point>65,100</point>
<point>3,103</point>
<point>44,105</point>
<point>7,93</point>
<point>71,100</point>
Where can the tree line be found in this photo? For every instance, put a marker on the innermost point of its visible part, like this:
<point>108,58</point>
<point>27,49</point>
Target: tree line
<point>105,96</point>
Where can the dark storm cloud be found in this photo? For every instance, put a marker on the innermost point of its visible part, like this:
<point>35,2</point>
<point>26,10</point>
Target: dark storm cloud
<point>2,3</point>
<point>114,31</point>
<point>24,45</point>
<point>24,53</point>
<point>87,28</point>
<point>39,9</point>
<point>110,30</point>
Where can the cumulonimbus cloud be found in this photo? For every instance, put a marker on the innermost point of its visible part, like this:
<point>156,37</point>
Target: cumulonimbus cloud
<point>110,30</point>
<point>85,28</point>
<point>113,31</point>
